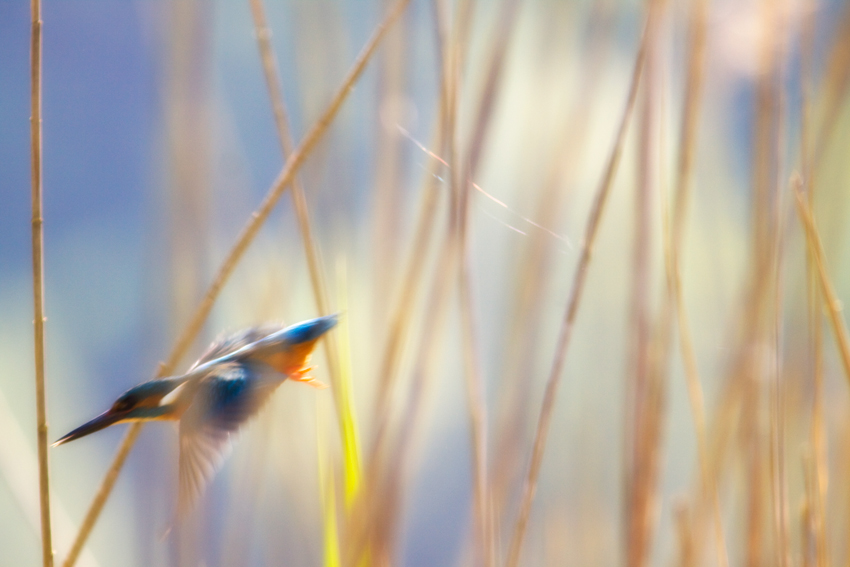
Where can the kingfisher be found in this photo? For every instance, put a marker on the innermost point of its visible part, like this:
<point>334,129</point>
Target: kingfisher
<point>220,392</point>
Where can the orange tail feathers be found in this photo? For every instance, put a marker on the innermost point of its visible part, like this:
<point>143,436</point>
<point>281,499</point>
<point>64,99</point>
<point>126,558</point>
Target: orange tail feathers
<point>303,377</point>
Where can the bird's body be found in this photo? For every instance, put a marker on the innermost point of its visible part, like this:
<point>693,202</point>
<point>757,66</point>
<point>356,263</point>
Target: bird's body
<point>218,394</point>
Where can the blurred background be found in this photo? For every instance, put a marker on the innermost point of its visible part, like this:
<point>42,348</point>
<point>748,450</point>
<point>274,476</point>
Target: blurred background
<point>160,141</point>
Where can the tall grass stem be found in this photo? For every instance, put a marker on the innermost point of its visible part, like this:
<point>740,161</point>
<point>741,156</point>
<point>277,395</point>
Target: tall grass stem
<point>832,304</point>
<point>38,280</point>
<point>594,216</point>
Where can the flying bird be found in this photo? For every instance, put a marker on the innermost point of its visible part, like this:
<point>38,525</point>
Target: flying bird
<point>219,393</point>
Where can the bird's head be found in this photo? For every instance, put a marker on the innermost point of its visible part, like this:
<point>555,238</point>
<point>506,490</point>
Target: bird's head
<point>144,402</point>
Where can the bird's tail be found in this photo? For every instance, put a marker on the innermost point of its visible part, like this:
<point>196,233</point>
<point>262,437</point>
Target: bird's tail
<point>308,331</point>
<point>288,350</point>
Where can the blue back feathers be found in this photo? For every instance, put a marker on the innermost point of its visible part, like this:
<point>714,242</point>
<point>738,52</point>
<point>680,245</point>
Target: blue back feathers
<point>231,396</point>
<point>308,330</point>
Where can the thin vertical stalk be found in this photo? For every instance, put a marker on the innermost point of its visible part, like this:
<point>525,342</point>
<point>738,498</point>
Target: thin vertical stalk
<point>327,492</point>
<point>530,482</point>
<point>687,143</point>
<point>831,302</point>
<point>396,453</point>
<point>477,407</point>
<point>367,506</point>
<point>187,114</point>
<point>399,318</point>
<point>777,406</point>
<point>38,281</point>
<point>388,201</point>
<point>777,388</point>
<point>404,304</point>
<point>819,477</point>
<point>344,412</point>
<point>808,520</point>
<point>684,536</point>
<point>761,447</point>
<point>252,227</point>
<point>751,447</point>
<point>836,80</point>
<point>389,459</point>
<point>534,267</point>
<point>695,398</point>
<point>645,378</point>
<point>378,505</point>
<point>462,177</point>
<point>273,84</point>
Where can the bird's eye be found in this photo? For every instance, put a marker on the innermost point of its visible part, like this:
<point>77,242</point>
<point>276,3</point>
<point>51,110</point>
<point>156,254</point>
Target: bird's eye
<point>123,404</point>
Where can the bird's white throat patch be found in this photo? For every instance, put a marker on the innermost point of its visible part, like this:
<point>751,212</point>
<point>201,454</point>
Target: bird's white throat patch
<point>171,396</point>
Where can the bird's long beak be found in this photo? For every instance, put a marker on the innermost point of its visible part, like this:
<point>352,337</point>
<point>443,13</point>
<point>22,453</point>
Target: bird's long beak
<point>102,421</point>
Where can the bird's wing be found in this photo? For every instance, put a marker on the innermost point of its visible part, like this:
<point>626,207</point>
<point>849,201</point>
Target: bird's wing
<point>225,345</point>
<point>226,398</point>
<point>202,451</point>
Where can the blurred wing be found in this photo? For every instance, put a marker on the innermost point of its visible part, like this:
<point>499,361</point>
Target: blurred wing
<point>226,344</point>
<point>202,451</point>
<point>226,398</point>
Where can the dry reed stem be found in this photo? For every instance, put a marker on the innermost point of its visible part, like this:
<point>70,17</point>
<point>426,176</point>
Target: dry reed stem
<point>38,281</point>
<point>818,428</point>
<point>695,398</point>
<point>394,454</point>
<point>366,508</point>
<point>737,386</point>
<point>387,224</point>
<point>831,302</point>
<point>487,100</point>
<point>189,230</point>
<point>594,216</point>
<point>477,407</point>
<point>246,236</point>
<point>765,133</point>
<point>760,445</point>
<point>674,244</point>
<point>645,379</point>
<point>814,313</point>
<point>399,321</point>
<point>781,490</point>
<point>837,80</point>
<point>808,523</point>
<point>684,537</point>
<point>776,386</point>
<point>379,504</point>
<point>273,84</point>
<point>751,449</point>
<point>777,406</point>
<point>532,271</point>
<point>399,318</point>
<point>400,315</point>
<point>742,385</point>
<point>311,250</point>
<point>463,175</point>
<point>242,522</point>
<point>427,356</point>
<point>742,391</point>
